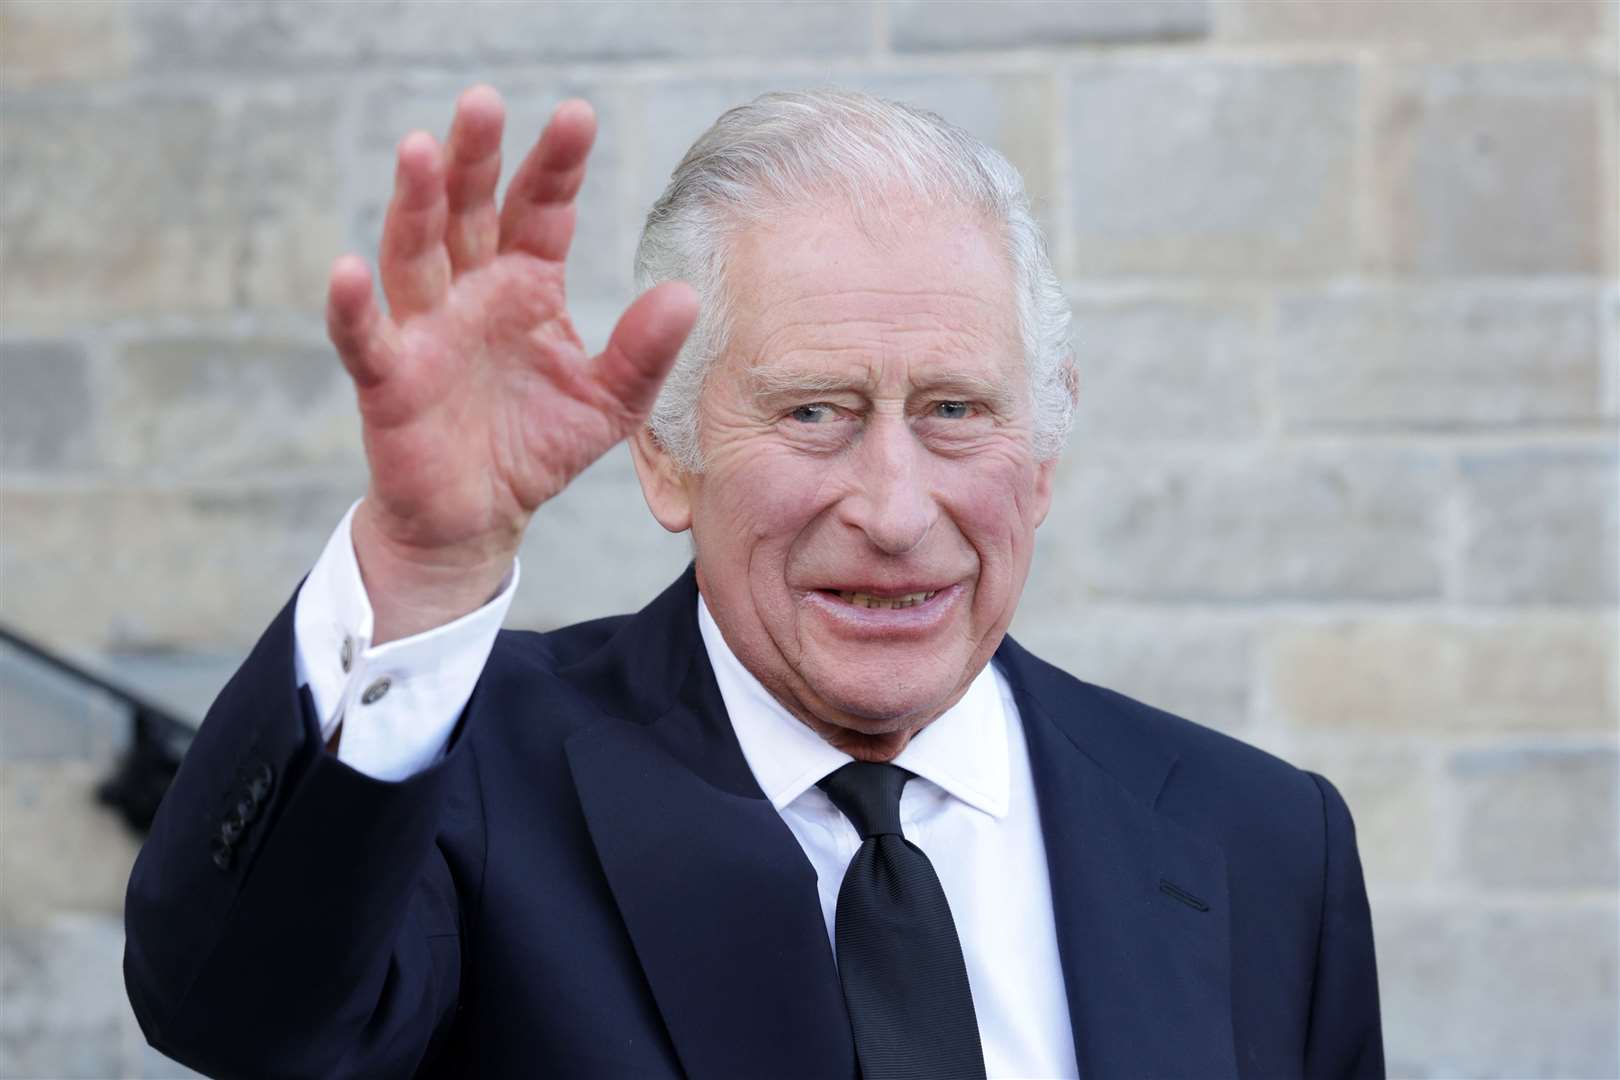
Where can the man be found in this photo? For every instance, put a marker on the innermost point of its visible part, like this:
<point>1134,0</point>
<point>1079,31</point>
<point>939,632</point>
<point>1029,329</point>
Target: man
<point>808,814</point>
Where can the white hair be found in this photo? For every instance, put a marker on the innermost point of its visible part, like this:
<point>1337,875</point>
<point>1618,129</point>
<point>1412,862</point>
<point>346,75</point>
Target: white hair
<point>787,149</point>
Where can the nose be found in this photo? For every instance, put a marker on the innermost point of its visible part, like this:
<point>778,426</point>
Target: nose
<point>889,500</point>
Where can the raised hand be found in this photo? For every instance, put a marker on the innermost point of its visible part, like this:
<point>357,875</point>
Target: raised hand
<point>477,399</point>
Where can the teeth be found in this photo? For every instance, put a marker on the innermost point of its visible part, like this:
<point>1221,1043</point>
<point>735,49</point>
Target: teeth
<point>867,600</point>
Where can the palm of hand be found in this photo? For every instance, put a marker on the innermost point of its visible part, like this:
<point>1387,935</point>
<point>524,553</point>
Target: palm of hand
<point>494,409</point>
<point>478,400</point>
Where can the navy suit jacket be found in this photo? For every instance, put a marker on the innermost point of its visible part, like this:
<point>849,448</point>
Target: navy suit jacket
<point>592,884</point>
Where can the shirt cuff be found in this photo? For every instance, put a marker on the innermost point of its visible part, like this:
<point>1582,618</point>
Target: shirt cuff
<point>398,702</point>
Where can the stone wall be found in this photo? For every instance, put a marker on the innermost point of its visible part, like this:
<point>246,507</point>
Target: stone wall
<point>1344,482</point>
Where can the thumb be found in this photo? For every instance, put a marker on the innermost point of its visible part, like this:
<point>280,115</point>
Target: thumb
<point>644,345</point>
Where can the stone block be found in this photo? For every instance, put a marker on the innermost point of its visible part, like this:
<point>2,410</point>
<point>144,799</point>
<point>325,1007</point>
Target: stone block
<point>1165,368</point>
<point>1010,111</point>
<point>1538,818</point>
<point>209,407</point>
<point>46,411</point>
<point>1194,665</point>
<point>1609,335</point>
<point>267,34</point>
<point>600,260</point>
<point>46,41</point>
<point>1245,526</point>
<point>66,1014</point>
<point>921,26</point>
<point>143,567</point>
<point>1396,806</point>
<point>1541,526</point>
<point>1439,358</point>
<point>62,850</point>
<point>112,209</point>
<point>595,550</point>
<point>164,201</point>
<point>1493,169</point>
<point>281,172</point>
<point>1514,673</point>
<point>1188,166</point>
<point>1450,24</point>
<point>1499,992</point>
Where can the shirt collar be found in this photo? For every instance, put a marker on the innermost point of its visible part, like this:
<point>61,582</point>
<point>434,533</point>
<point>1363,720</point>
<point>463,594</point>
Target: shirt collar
<point>964,751</point>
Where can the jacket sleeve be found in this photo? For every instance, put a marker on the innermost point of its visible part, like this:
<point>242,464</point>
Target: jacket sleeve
<point>1345,1039</point>
<point>289,916</point>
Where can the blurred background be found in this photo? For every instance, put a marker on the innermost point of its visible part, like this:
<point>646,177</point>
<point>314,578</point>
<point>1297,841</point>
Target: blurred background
<point>1344,482</point>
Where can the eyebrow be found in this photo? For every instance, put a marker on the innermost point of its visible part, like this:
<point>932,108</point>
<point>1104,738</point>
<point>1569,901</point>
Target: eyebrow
<point>771,383</point>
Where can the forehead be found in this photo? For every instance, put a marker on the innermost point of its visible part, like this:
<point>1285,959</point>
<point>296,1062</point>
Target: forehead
<point>928,288</point>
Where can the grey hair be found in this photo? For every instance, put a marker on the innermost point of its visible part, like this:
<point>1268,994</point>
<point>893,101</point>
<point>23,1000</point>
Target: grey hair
<point>785,149</point>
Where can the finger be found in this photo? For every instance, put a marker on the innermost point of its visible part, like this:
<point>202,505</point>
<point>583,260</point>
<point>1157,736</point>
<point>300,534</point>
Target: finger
<point>538,216</point>
<point>415,266</point>
<point>472,161</point>
<point>353,321</point>
<point>644,345</point>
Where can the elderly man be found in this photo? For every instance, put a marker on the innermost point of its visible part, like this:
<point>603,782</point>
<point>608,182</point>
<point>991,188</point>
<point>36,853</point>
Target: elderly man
<point>810,813</point>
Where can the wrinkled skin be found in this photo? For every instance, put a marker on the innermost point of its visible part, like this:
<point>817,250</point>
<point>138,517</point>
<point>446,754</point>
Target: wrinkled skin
<point>478,402</point>
<point>868,430</point>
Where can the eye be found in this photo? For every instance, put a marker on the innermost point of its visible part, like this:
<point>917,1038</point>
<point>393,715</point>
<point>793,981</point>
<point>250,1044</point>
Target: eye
<point>953,410</point>
<point>816,413</point>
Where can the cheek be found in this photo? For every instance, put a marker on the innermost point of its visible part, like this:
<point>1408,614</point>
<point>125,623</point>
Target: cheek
<point>761,502</point>
<point>770,494</point>
<point>996,508</point>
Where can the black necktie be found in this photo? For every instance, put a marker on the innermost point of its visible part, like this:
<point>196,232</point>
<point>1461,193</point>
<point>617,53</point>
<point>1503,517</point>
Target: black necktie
<point>898,955</point>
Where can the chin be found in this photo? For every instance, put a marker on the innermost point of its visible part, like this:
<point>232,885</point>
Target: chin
<point>901,709</point>
<point>886,687</point>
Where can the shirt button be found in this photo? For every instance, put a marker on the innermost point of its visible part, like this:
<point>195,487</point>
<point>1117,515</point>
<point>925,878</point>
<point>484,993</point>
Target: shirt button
<point>347,655</point>
<point>375,691</point>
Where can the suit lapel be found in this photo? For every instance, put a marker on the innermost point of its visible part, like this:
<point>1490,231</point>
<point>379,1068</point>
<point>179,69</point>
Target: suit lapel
<point>719,899</point>
<point>1140,903</point>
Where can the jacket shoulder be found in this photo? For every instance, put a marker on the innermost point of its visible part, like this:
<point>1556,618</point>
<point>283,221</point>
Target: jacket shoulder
<point>1245,798</point>
<point>554,649</point>
<point>1205,757</point>
<point>614,669</point>
<point>530,675</point>
<point>626,667</point>
<point>1154,751</point>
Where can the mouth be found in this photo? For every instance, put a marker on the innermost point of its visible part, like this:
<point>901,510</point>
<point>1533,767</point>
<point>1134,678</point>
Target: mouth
<point>875,613</point>
<point>874,600</point>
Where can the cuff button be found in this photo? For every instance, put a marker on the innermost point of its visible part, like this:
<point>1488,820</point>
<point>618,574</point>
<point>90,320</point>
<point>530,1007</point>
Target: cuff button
<point>374,693</point>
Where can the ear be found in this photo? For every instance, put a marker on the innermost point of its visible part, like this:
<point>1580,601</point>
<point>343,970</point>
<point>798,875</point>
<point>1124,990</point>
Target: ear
<point>1044,474</point>
<point>663,481</point>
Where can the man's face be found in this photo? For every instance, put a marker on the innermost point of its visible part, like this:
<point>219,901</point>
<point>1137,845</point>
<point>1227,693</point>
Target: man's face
<point>866,515</point>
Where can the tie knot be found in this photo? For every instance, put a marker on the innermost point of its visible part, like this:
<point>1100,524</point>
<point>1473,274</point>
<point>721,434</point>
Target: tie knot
<point>868,793</point>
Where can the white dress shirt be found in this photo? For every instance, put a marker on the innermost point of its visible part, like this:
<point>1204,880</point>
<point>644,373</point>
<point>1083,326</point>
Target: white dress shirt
<point>971,807</point>
<point>401,699</point>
